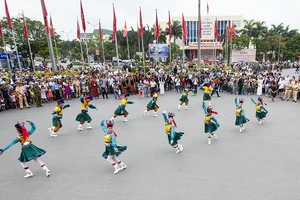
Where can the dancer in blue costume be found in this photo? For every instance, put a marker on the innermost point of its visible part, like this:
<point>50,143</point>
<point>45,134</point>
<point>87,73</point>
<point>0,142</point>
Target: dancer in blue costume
<point>152,105</point>
<point>57,117</point>
<point>261,111</point>
<point>173,136</point>
<point>210,123</point>
<point>112,150</point>
<point>29,151</point>
<point>184,99</point>
<point>240,113</point>
<point>121,110</point>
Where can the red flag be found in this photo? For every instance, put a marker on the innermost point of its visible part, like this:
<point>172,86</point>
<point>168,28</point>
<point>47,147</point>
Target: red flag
<point>25,27</point>
<point>125,30</point>
<point>207,8</point>
<point>233,32</point>
<point>1,33</point>
<point>200,28</point>
<point>78,30</point>
<point>82,17</point>
<point>184,30</point>
<point>114,24</point>
<point>100,31</point>
<point>217,36</point>
<point>228,34</point>
<point>141,23</point>
<point>45,14</point>
<point>138,32</point>
<point>8,16</point>
<point>170,27</point>
<point>156,28</point>
<point>229,30</point>
<point>51,28</point>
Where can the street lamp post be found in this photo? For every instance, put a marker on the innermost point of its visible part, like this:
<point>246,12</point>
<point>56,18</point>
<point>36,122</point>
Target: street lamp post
<point>67,33</point>
<point>94,25</point>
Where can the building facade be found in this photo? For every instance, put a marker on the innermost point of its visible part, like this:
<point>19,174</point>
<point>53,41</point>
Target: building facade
<point>211,49</point>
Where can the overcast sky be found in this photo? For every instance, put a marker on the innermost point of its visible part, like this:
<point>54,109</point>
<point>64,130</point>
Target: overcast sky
<point>65,12</point>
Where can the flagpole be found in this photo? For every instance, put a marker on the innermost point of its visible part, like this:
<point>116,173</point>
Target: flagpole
<point>143,50</point>
<point>170,52</point>
<point>29,46</point>
<point>7,58</point>
<point>16,48</point>
<point>81,49</point>
<point>199,38</point>
<point>117,52</point>
<point>87,48</point>
<point>49,44</point>
<point>56,51</point>
<point>128,47</point>
<point>102,45</point>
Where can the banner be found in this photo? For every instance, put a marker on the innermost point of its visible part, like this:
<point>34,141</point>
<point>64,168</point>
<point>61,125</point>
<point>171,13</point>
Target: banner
<point>208,27</point>
<point>158,50</point>
<point>246,55</point>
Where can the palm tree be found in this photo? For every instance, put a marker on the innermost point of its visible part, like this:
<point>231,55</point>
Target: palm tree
<point>176,30</point>
<point>249,28</point>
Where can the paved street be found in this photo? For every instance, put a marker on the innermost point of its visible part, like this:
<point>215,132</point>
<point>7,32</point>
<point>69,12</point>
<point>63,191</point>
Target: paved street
<point>260,163</point>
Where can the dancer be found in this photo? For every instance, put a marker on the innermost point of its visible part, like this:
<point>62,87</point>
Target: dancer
<point>210,123</point>
<point>152,105</point>
<point>112,150</point>
<point>84,116</point>
<point>173,136</point>
<point>184,99</point>
<point>57,116</point>
<point>240,119</point>
<point>261,111</point>
<point>207,90</point>
<point>121,108</point>
<point>29,151</point>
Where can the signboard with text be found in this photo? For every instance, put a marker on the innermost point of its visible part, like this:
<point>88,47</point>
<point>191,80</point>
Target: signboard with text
<point>246,55</point>
<point>208,29</point>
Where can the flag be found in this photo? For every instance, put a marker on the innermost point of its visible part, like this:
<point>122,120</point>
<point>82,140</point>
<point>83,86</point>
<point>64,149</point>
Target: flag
<point>125,30</point>
<point>100,31</point>
<point>217,36</point>
<point>25,27</point>
<point>8,16</point>
<point>114,24</point>
<point>82,17</point>
<point>184,30</point>
<point>138,32</point>
<point>200,28</point>
<point>141,23</point>
<point>1,33</point>
<point>78,30</point>
<point>233,32</point>
<point>170,27</point>
<point>51,28</point>
<point>156,28</point>
<point>207,8</point>
<point>45,15</point>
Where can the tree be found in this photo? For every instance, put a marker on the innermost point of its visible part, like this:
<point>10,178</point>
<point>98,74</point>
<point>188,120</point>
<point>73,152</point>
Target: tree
<point>176,30</point>
<point>37,37</point>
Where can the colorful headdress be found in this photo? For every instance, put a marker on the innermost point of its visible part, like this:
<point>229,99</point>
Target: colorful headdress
<point>158,90</point>
<point>170,114</point>
<point>261,101</point>
<point>61,101</point>
<point>89,97</point>
<point>242,100</point>
<point>155,95</point>
<point>127,94</point>
<point>209,110</point>
<point>109,123</point>
<point>21,129</point>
